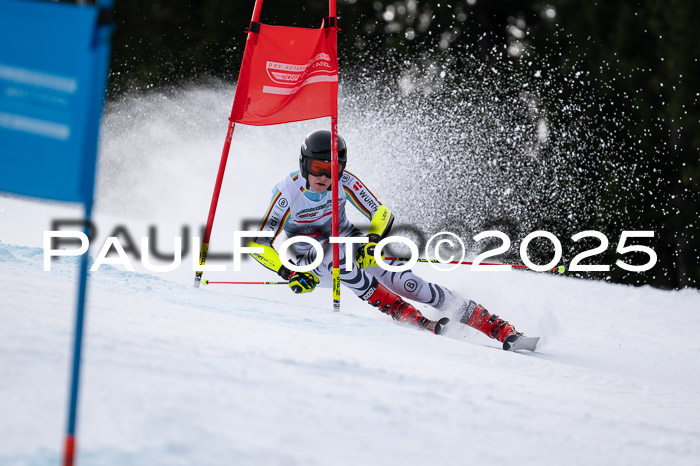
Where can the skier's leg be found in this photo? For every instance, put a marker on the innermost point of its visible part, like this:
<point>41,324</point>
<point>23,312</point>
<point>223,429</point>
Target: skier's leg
<point>476,316</point>
<point>391,303</point>
<point>367,288</point>
<point>357,281</point>
<point>411,286</point>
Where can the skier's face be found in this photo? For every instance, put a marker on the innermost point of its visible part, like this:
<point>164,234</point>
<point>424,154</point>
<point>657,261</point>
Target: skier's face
<point>319,184</point>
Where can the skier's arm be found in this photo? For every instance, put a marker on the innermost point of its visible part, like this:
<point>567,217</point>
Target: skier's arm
<point>269,258</point>
<point>381,224</point>
<point>380,216</point>
<point>275,217</point>
<point>359,195</point>
<point>299,282</point>
<point>274,220</point>
<point>382,221</point>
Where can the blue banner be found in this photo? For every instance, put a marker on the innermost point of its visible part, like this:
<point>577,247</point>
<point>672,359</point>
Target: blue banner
<point>53,70</point>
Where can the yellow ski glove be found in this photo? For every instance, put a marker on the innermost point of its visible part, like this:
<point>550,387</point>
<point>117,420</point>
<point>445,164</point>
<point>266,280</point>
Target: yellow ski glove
<point>382,220</point>
<point>364,257</point>
<point>302,282</point>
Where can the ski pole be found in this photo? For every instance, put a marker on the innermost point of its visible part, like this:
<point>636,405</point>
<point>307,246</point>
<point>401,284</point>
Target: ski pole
<point>209,282</point>
<point>559,269</point>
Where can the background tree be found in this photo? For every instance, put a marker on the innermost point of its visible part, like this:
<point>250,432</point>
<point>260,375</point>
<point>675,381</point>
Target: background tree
<point>604,93</point>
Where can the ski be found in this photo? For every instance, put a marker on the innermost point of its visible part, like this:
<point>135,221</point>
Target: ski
<point>520,342</point>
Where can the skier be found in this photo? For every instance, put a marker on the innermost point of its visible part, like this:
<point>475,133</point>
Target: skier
<point>302,205</point>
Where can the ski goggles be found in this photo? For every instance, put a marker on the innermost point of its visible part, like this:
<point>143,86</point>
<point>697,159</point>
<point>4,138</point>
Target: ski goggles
<point>321,167</point>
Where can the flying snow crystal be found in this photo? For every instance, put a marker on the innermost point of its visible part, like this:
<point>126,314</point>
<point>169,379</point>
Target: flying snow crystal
<point>419,135</point>
<point>542,132</point>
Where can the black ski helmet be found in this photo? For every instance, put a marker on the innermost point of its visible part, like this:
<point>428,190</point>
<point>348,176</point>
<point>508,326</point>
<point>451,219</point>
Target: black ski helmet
<point>317,145</point>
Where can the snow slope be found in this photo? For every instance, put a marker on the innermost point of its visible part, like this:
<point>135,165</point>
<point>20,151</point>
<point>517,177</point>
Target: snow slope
<point>174,375</point>
<point>258,376</point>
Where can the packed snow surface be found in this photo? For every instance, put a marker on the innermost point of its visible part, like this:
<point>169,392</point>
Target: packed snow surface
<point>255,375</point>
<point>176,375</point>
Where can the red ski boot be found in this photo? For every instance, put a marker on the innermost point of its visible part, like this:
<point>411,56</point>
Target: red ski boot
<point>392,304</point>
<point>479,318</point>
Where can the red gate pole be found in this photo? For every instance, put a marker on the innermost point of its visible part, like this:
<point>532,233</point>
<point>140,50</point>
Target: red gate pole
<point>220,175</point>
<point>214,202</point>
<point>334,172</point>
